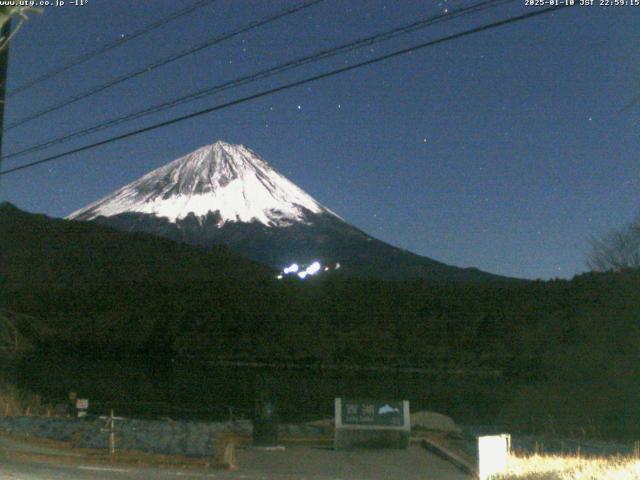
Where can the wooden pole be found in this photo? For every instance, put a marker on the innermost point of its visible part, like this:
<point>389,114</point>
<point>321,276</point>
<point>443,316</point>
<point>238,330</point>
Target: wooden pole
<point>112,435</point>
<point>4,64</point>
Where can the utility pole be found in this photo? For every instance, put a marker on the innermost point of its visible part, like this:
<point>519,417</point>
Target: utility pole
<point>4,63</point>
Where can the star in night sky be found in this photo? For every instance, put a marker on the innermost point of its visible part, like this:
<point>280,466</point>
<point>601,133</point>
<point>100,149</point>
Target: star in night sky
<point>506,150</point>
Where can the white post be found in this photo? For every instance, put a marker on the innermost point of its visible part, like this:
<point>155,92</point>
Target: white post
<point>492,455</point>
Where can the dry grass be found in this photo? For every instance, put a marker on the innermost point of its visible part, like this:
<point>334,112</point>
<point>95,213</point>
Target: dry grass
<point>552,467</point>
<point>15,402</point>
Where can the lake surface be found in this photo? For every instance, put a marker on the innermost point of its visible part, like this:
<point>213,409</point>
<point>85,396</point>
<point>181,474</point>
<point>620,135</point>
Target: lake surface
<point>142,387</point>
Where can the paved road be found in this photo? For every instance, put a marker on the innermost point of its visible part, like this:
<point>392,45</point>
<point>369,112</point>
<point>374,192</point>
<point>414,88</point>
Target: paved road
<point>296,463</point>
<point>13,445</point>
<point>18,470</point>
<point>318,463</point>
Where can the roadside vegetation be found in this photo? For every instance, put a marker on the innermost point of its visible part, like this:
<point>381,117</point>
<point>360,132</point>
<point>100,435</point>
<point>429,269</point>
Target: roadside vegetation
<point>15,402</point>
<point>567,349</point>
<point>556,467</point>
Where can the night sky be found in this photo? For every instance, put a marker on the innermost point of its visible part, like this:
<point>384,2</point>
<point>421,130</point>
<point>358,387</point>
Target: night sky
<point>505,150</point>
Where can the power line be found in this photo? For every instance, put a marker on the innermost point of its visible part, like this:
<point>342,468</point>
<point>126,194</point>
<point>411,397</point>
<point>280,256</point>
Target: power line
<point>110,46</point>
<point>172,58</point>
<point>288,86</point>
<point>295,63</point>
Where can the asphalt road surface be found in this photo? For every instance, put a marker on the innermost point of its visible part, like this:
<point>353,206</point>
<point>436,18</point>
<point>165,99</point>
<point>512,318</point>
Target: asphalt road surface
<point>294,463</point>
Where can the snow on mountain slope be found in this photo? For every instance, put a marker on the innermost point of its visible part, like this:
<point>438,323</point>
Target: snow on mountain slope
<point>224,178</point>
<point>225,194</point>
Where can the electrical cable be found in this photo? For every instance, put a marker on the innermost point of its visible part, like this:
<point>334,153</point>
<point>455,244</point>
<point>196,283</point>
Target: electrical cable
<point>165,61</point>
<point>110,46</point>
<point>288,86</point>
<point>295,63</point>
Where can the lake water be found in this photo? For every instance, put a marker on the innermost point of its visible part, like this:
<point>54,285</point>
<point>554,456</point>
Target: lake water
<point>142,387</point>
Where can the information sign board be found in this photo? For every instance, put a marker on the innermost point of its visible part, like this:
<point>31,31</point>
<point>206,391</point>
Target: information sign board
<point>375,423</point>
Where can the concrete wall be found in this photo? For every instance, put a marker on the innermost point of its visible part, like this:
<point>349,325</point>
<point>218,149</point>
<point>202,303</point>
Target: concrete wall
<point>157,436</point>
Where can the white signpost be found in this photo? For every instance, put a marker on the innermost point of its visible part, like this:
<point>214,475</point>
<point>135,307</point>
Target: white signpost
<point>492,455</point>
<point>110,428</point>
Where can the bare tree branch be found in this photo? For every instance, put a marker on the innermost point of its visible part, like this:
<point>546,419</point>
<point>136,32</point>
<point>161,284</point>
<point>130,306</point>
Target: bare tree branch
<point>6,13</point>
<point>617,250</point>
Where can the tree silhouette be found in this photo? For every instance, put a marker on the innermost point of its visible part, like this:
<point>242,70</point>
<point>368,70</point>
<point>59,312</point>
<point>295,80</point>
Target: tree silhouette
<point>617,250</point>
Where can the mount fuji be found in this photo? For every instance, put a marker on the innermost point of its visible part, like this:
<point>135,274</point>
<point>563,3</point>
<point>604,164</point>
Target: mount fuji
<point>227,194</point>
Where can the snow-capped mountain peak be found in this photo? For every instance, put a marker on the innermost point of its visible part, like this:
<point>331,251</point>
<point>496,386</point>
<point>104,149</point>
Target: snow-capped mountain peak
<point>228,179</point>
<point>225,194</point>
